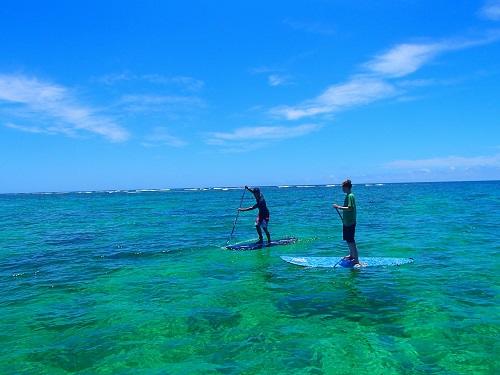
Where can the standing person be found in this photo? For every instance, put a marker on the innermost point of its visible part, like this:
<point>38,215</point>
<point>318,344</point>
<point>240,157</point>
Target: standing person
<point>263,217</point>
<point>349,221</point>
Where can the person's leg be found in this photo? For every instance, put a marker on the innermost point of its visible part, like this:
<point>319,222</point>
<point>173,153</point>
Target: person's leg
<point>268,235</point>
<point>345,237</point>
<point>259,231</point>
<point>353,252</point>
<point>264,226</point>
<point>353,249</point>
<point>258,225</point>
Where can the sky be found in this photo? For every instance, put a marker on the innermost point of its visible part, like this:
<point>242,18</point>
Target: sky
<point>98,95</point>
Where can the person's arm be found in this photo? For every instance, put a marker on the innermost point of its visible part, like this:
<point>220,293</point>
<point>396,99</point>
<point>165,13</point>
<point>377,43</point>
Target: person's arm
<point>342,207</point>
<point>345,208</point>
<point>248,208</point>
<point>250,190</point>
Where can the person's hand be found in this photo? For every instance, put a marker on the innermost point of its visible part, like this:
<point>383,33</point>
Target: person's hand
<point>238,209</point>
<point>246,187</point>
<point>336,205</point>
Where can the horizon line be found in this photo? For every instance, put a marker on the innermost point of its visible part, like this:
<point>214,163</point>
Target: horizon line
<point>165,189</point>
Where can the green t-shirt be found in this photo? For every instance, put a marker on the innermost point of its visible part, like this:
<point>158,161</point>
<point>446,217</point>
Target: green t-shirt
<point>349,216</point>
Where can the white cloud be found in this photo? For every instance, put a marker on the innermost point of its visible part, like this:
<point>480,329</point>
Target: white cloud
<point>375,81</point>
<point>110,79</point>
<point>404,59</point>
<point>251,138</point>
<point>55,105</point>
<point>262,133</point>
<point>449,162</point>
<point>491,10</point>
<point>160,136</point>
<point>184,82</point>
<point>275,77</point>
<point>153,103</point>
<point>188,83</point>
<point>28,129</point>
<point>359,90</point>
<point>277,80</point>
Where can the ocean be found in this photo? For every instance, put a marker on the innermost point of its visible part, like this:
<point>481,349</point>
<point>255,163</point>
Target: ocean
<point>139,282</point>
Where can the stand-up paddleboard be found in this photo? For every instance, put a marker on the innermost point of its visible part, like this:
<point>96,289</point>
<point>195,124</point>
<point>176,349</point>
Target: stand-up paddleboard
<point>257,245</point>
<point>331,262</point>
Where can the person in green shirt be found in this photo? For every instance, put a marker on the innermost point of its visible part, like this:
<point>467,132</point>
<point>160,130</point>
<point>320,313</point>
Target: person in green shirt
<point>349,221</point>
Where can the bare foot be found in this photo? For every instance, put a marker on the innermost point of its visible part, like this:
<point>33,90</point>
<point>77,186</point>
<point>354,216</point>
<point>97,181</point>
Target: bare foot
<point>359,265</point>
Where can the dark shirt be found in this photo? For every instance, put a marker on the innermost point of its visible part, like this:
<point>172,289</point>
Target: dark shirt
<point>261,205</point>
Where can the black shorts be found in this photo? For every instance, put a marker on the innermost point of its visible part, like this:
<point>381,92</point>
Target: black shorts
<point>348,233</point>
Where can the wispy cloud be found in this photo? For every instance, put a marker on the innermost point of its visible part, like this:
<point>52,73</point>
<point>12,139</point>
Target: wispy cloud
<point>56,107</point>
<point>161,136</point>
<point>157,103</point>
<point>359,90</point>
<point>404,59</point>
<point>184,82</point>
<point>448,162</point>
<point>277,80</point>
<point>275,77</point>
<point>379,78</point>
<point>411,83</point>
<point>247,138</point>
<point>265,132</point>
<point>491,10</point>
<point>28,129</point>
<point>313,27</point>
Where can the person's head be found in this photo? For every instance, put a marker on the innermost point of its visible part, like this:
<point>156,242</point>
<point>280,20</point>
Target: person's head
<point>347,186</point>
<point>256,193</point>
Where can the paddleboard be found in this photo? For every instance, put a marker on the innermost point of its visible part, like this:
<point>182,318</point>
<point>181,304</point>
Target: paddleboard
<point>256,245</point>
<point>331,262</point>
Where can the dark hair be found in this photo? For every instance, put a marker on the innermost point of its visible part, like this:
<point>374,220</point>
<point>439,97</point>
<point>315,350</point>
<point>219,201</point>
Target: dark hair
<point>256,191</point>
<point>347,183</point>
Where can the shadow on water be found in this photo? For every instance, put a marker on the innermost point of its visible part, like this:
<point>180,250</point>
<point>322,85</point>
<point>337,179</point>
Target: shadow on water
<point>71,355</point>
<point>351,298</point>
<point>317,297</point>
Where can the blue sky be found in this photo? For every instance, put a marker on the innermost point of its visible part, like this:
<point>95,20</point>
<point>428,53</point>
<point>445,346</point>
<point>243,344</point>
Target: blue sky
<point>118,94</point>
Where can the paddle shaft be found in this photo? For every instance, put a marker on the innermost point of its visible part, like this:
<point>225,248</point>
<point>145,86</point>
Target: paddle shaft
<point>341,218</point>
<point>236,218</point>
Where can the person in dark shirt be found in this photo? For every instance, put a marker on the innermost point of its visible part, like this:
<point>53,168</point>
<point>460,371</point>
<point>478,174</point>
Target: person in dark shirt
<point>263,217</point>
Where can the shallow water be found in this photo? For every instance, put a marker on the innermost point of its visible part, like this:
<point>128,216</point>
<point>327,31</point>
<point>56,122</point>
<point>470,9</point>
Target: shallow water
<point>138,282</point>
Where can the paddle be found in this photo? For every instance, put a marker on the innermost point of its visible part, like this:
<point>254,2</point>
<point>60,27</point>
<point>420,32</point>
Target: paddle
<point>341,219</point>
<point>236,218</point>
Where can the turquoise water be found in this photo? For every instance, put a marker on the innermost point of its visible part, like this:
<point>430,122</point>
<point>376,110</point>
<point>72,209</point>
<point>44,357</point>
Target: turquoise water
<point>137,282</point>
